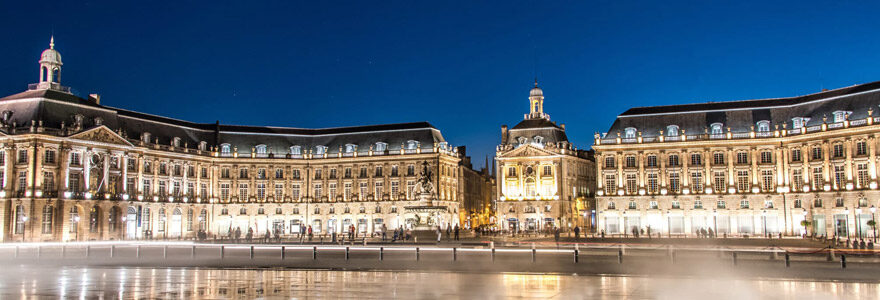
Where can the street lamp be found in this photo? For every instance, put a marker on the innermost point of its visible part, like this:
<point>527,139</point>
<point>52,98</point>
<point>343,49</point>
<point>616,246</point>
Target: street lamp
<point>873,210</point>
<point>858,219</point>
<point>715,221</point>
<point>24,228</point>
<point>764,217</point>
<point>76,226</point>
<point>846,221</point>
<point>804,222</point>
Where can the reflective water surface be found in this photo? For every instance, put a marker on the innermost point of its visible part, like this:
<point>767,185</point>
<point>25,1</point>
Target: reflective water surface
<point>149,283</point>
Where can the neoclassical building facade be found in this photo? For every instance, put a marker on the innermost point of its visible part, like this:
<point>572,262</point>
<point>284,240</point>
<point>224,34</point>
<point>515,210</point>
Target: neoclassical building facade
<point>751,167</point>
<point>543,180</point>
<point>75,169</point>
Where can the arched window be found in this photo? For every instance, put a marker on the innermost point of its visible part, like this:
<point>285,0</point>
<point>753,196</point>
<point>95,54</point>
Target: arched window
<point>716,128</point>
<point>44,74</point>
<point>412,145</point>
<point>840,116</point>
<point>522,140</point>
<point>74,219</point>
<point>145,137</point>
<point>56,75</point>
<point>381,147</point>
<point>175,142</point>
<point>94,218</point>
<point>112,218</point>
<point>531,190</point>
<point>203,220</point>
<point>349,148</point>
<point>295,150</point>
<point>320,150</point>
<point>261,150</point>
<point>538,139</point>
<point>672,130</point>
<point>629,133</point>
<point>225,149</point>
<point>764,126</point>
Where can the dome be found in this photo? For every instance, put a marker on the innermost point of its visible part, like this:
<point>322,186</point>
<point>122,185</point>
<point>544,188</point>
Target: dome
<point>536,91</point>
<point>50,55</point>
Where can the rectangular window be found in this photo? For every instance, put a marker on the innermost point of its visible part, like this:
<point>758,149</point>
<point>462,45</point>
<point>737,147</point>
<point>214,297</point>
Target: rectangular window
<point>331,191</point>
<point>242,192</point>
<point>631,184</point>
<point>742,181</point>
<point>294,192</point>
<point>363,190</point>
<point>674,183</point>
<point>224,192</point>
<point>630,161</point>
<point>394,170</point>
<point>696,159</point>
<point>697,182</point>
<point>279,173</point>
<point>147,187</point>
<point>48,181</point>
<point>742,157</point>
<point>673,160</point>
<point>861,148</point>
<point>609,162</point>
<point>818,177</point>
<point>279,191</point>
<point>839,177</point>
<point>838,150</point>
<point>816,154</point>
<point>652,183</point>
<point>22,181</point>
<point>610,185</point>
<point>744,204</point>
<point>243,173</point>
<point>548,170</point>
<point>651,161</point>
<point>797,180</point>
<point>49,157</point>
<point>795,155</point>
<point>203,190</point>
<point>379,190</point>
<point>378,172</point>
<point>766,157</point>
<point>720,181</point>
<point>718,158</point>
<point>261,173</point>
<point>261,191</point>
<point>75,159</point>
<point>346,191</point>
<point>767,181</point>
<point>295,174</point>
<point>862,175</point>
<point>22,156</point>
<point>395,189</point>
<point>410,187</point>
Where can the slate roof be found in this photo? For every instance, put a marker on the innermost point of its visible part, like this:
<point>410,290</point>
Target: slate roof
<point>54,107</point>
<point>740,116</point>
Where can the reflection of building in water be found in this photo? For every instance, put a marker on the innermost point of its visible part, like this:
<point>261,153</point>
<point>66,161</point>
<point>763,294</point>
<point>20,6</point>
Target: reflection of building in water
<point>749,167</point>
<point>75,169</point>
<point>543,180</point>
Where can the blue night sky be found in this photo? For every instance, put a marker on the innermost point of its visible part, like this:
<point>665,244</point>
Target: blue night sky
<point>465,67</point>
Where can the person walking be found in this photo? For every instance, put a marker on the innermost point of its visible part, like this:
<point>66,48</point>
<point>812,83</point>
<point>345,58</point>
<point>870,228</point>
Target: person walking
<point>384,232</point>
<point>577,232</point>
<point>310,233</point>
<point>456,232</point>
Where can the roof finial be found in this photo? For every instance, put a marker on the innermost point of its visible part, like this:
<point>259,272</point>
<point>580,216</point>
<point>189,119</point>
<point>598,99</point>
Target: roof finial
<point>536,81</point>
<point>52,42</point>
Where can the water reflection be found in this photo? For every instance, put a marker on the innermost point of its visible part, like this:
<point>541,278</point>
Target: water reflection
<point>82,282</point>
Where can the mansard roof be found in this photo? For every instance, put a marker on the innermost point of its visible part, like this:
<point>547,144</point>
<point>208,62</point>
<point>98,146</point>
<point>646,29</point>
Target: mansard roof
<point>741,116</point>
<point>55,107</point>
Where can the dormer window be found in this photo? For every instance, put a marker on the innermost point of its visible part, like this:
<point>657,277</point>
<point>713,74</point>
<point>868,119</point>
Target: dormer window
<point>381,146</point>
<point>295,150</point>
<point>261,150</point>
<point>672,130</point>
<point>629,133</point>
<point>203,145</point>
<point>799,122</point>
<point>716,128</point>
<point>840,116</point>
<point>763,126</point>
<point>412,145</point>
<point>522,140</point>
<point>320,150</point>
<point>175,142</point>
<point>538,139</point>
<point>349,148</point>
<point>226,149</point>
<point>145,137</point>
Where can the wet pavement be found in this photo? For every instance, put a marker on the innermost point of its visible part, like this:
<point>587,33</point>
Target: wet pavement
<point>173,283</point>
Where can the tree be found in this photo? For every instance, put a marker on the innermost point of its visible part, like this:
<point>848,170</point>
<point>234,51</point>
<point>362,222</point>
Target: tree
<point>871,223</point>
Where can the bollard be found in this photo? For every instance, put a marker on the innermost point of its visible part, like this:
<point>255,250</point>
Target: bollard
<point>16,251</point>
<point>830,255</point>
<point>576,255</point>
<point>314,253</point>
<point>381,253</point>
<point>787,261</point>
<point>534,252</point>
<point>417,253</point>
<point>843,261</point>
<point>88,251</point>
<point>774,255</point>
<point>620,256</point>
<point>192,253</point>
<point>165,251</point>
<point>346,253</point>
<point>454,254</point>
<point>137,252</point>
<point>282,252</point>
<point>365,242</point>
<point>39,251</point>
<point>222,252</point>
<point>252,252</point>
<point>112,251</point>
<point>672,255</point>
<point>493,254</point>
<point>63,251</point>
<point>734,258</point>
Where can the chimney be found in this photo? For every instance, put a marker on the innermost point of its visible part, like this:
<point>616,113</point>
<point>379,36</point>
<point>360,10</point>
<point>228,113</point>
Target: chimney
<point>504,134</point>
<point>96,98</point>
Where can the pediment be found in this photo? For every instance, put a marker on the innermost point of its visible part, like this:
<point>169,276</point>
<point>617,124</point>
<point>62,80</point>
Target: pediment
<point>528,151</point>
<point>101,134</point>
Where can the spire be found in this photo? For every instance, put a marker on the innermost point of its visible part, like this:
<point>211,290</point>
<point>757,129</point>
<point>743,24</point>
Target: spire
<point>536,81</point>
<point>52,46</point>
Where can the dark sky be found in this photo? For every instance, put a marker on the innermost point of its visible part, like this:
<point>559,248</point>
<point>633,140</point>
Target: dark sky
<point>466,66</point>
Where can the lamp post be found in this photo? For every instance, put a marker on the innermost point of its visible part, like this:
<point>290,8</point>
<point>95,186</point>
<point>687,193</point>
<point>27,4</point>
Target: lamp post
<point>873,210</point>
<point>715,221</point>
<point>858,219</point>
<point>124,227</point>
<point>804,223</point>
<point>24,220</point>
<point>76,227</point>
<point>846,221</point>
<point>764,218</point>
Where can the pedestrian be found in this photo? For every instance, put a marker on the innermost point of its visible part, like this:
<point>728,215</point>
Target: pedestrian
<point>448,231</point>
<point>711,233</point>
<point>384,232</point>
<point>310,233</point>
<point>250,234</point>
<point>267,237</point>
<point>439,234</point>
<point>577,232</point>
<point>862,244</point>
<point>456,232</point>
<point>556,234</point>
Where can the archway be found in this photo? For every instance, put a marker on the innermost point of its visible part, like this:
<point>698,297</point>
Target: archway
<point>176,218</point>
<point>131,223</point>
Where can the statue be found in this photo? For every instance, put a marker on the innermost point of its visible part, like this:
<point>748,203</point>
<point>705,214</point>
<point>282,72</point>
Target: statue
<point>425,185</point>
